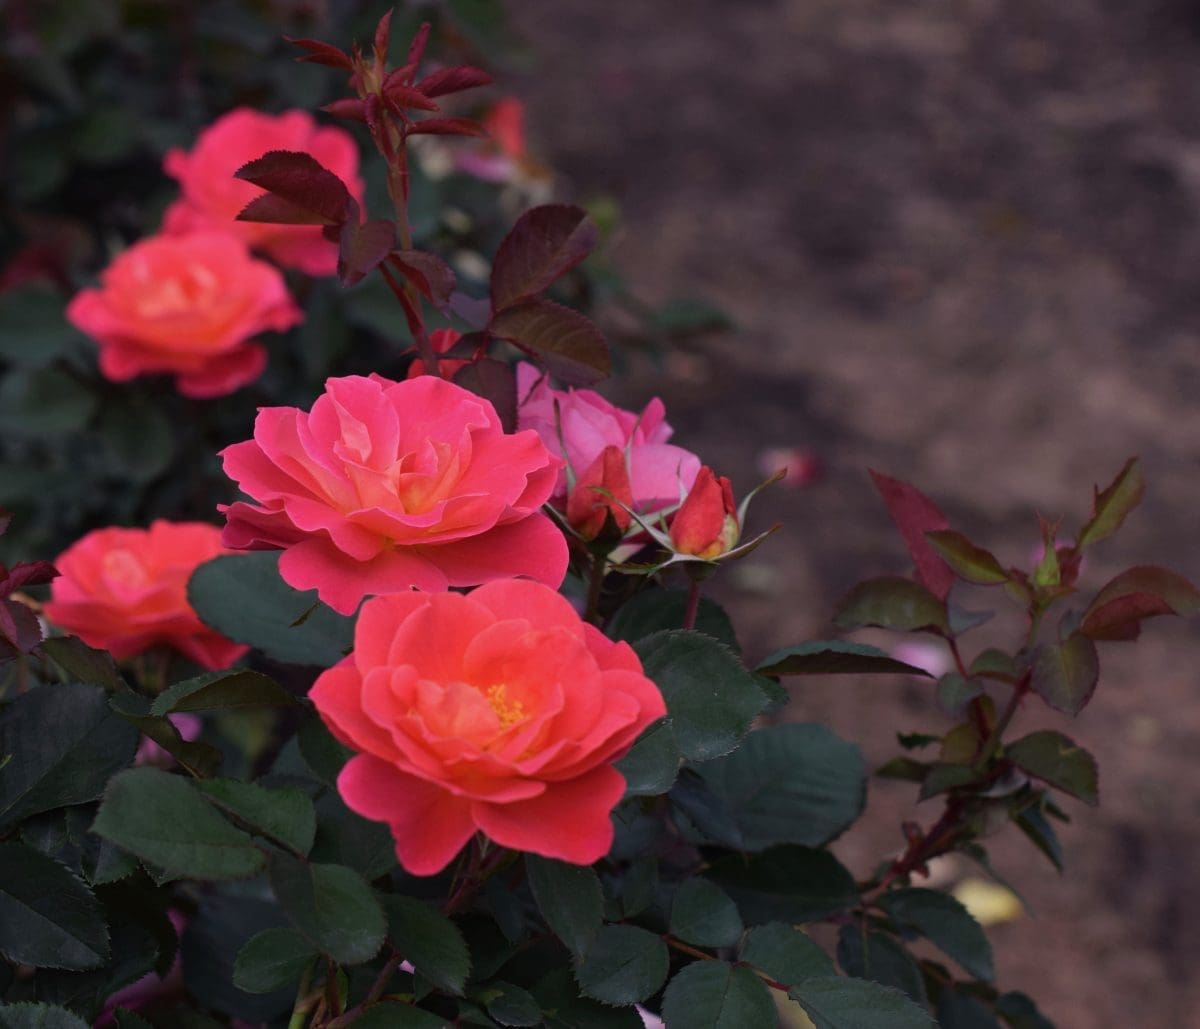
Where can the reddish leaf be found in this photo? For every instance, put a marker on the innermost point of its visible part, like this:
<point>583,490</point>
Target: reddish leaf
<point>915,514</point>
<point>453,80</point>
<point>399,94</point>
<point>26,573</point>
<point>363,248</point>
<point>475,311</point>
<point>432,276</point>
<point>1138,593</point>
<point>416,49</point>
<point>19,626</point>
<point>1110,508</point>
<point>969,562</point>
<point>446,127</point>
<point>351,108</point>
<point>382,32</point>
<point>300,180</point>
<point>566,342</point>
<point>495,381</point>
<point>277,211</point>
<point>1065,674</point>
<point>322,53</point>
<point>545,243</point>
<point>891,602</point>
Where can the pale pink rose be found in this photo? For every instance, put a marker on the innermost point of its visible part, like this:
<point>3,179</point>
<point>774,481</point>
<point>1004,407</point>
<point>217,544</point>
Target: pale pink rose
<point>579,424</point>
<point>500,711</point>
<point>391,486</point>
<point>934,658</point>
<point>125,591</point>
<point>189,305</point>
<point>212,197</point>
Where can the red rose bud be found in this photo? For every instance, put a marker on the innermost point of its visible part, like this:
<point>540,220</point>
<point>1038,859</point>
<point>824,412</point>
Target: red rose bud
<point>588,507</point>
<point>706,523</point>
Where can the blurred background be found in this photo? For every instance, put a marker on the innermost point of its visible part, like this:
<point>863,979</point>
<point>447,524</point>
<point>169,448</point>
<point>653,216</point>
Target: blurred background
<point>954,241</point>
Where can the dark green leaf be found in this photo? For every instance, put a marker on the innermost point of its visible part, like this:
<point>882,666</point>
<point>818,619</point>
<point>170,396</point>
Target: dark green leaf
<point>428,939</point>
<point>1065,674</point>
<point>323,754</point>
<point>139,438</point>
<point>225,689</point>
<point>164,819</point>
<point>834,657</point>
<point>785,884</point>
<point>711,698</point>
<point>994,664</point>
<point>836,1003</point>
<point>332,905</point>
<point>283,815</point>
<point>1110,508</point>
<point>654,610</point>
<point>345,838</point>
<point>123,1018</point>
<point>891,603</point>
<point>199,759</point>
<point>510,1005</point>
<point>794,783</point>
<point>717,995</point>
<point>563,1008</point>
<point>970,563</point>
<point>704,915</point>
<point>273,959</point>
<point>39,1016</point>
<point>959,1010</point>
<point>1041,834</point>
<point>941,777</point>
<point>916,740</point>
<point>389,1015</point>
<point>652,764</point>
<point>866,954</point>
<point>45,769</point>
<point>34,330</point>
<point>569,898</point>
<point>624,965</point>
<point>945,922</point>
<point>785,953</point>
<point>1057,760</point>
<point>905,769</point>
<point>954,693</point>
<point>243,597</point>
<point>47,402</point>
<point>1020,1012</point>
<point>83,663</point>
<point>48,917</point>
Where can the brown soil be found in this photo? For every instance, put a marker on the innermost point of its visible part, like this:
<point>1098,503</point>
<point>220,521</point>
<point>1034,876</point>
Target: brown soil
<point>959,239</point>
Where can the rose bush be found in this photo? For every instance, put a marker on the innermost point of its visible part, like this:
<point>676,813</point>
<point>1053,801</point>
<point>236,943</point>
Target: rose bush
<point>188,305</point>
<point>388,486</point>
<point>212,197</point>
<point>125,590</point>
<point>500,711</point>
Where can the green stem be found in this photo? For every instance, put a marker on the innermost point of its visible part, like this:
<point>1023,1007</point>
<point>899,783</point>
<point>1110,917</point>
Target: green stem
<point>992,743</point>
<point>595,588</point>
<point>304,1000</point>
<point>693,604</point>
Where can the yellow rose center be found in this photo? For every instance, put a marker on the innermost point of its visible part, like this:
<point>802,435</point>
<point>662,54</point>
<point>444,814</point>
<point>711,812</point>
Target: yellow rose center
<point>508,711</point>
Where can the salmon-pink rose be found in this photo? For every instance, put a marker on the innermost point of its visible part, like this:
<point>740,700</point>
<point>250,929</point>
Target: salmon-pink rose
<point>125,590</point>
<point>212,197</point>
<point>500,711</point>
<point>188,305</point>
<point>579,424</point>
<point>390,486</point>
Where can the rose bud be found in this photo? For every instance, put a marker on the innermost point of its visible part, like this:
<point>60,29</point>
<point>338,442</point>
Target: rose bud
<point>706,524</point>
<point>589,507</point>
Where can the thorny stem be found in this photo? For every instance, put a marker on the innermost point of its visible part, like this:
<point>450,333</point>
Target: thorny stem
<point>404,294</point>
<point>373,995</point>
<point>696,952</point>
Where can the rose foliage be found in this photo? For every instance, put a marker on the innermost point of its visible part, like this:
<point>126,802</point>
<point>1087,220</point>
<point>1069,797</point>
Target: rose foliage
<point>384,690</point>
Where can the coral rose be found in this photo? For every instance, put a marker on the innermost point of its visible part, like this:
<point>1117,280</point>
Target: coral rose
<point>213,198</point>
<point>188,305</point>
<point>125,590</point>
<point>389,486</point>
<point>579,424</point>
<point>499,711</point>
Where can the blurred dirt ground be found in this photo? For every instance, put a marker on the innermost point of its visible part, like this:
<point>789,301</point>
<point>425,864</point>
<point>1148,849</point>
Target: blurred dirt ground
<point>960,242</point>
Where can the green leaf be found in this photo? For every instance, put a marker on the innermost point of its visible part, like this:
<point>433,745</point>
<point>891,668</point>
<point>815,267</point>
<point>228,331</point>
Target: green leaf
<point>785,953</point>
<point>569,898</point>
<point>903,768</point>
<point>1137,593</point>
<point>243,598</point>
<point>139,438</point>
<point>837,1003</point>
<point>563,1008</point>
<point>711,698</point>
<point>652,764</point>
<point>322,752</point>
<point>1065,674</point>
<point>123,1018</point>
<point>273,959</point>
<point>332,905</point>
<point>199,759</point>
<point>1056,759</point>
<point>793,783</point>
<point>835,657</point>
<point>48,917</point>
<point>34,330</point>
<point>232,688</point>
<point>785,884</point>
<point>891,603</point>
<point>704,915</point>
<point>83,663</point>
<point>969,562</point>
<point>954,693</point>
<point>957,1009</point>
<point>866,954</point>
<point>654,610</point>
<point>428,939</point>
<point>941,777</point>
<point>510,1005</point>
<point>44,769</point>
<point>164,819</point>
<point>1041,834</point>
<point>39,1016</point>
<point>1020,1012</point>
<point>944,922</point>
<point>284,815</point>
<point>47,402</point>
<point>1110,508</point>
<point>717,995</point>
<point>994,664</point>
<point>624,965</point>
<point>389,1015</point>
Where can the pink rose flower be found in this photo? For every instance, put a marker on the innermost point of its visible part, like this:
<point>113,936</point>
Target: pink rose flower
<point>499,711</point>
<point>212,197</point>
<point>187,305</point>
<point>579,424</point>
<point>125,590</point>
<point>390,486</point>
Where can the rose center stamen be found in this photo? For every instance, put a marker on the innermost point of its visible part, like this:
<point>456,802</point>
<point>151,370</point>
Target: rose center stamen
<point>508,711</point>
